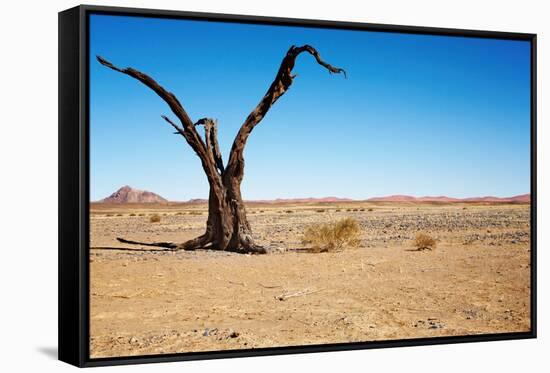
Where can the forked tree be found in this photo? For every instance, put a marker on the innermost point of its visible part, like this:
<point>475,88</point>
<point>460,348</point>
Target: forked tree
<point>227,227</point>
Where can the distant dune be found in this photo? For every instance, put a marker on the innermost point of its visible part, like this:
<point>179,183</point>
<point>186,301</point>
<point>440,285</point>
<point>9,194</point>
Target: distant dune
<point>524,198</point>
<point>283,200</point>
<point>305,200</point>
<point>127,194</point>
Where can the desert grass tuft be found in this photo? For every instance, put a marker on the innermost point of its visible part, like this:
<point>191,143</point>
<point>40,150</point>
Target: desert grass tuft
<point>335,236</point>
<point>423,241</point>
<point>155,218</point>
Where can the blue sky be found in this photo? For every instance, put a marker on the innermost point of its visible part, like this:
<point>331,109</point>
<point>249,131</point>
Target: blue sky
<point>418,114</point>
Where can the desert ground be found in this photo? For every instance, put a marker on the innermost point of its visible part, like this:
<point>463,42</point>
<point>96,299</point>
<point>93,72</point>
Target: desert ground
<point>150,301</point>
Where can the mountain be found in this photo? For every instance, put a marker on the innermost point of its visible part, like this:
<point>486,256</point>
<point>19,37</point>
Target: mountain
<point>127,194</point>
<point>524,198</point>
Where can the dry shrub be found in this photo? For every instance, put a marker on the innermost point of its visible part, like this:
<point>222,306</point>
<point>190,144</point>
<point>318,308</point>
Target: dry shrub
<point>141,214</point>
<point>332,236</point>
<point>119,215</point>
<point>370,210</point>
<point>338,210</point>
<point>132,214</point>
<point>289,211</point>
<point>320,210</point>
<point>155,218</point>
<point>195,213</point>
<point>423,241</point>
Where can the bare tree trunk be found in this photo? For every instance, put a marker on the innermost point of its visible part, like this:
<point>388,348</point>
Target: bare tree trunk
<point>227,227</point>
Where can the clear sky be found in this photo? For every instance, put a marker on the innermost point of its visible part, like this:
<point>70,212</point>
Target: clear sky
<point>418,114</point>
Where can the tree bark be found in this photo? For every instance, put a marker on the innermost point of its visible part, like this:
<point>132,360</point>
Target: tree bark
<point>227,227</point>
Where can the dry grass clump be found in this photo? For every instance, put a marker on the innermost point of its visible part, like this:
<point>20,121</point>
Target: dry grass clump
<point>423,241</point>
<point>141,214</point>
<point>334,236</point>
<point>195,212</point>
<point>320,210</point>
<point>155,218</point>
<point>289,211</point>
<point>132,214</point>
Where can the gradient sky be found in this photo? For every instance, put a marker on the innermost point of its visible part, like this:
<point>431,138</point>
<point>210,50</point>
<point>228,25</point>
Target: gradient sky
<point>418,114</point>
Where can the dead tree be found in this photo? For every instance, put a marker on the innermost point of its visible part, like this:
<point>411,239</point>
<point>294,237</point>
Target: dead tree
<point>227,227</point>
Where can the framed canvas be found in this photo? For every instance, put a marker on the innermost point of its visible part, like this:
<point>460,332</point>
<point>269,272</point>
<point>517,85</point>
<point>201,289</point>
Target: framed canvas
<point>388,197</point>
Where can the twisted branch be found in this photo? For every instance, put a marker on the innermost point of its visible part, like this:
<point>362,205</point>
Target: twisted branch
<point>280,85</point>
<point>188,131</point>
<point>211,138</point>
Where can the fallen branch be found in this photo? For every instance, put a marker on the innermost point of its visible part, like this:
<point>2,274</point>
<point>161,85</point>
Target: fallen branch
<point>168,245</point>
<point>284,297</point>
<point>270,287</point>
<point>126,249</point>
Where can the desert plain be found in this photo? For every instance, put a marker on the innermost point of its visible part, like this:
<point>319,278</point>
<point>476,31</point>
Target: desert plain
<point>146,301</point>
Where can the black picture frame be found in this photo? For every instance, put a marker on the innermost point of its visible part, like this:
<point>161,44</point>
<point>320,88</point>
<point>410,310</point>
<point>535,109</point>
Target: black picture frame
<point>74,192</point>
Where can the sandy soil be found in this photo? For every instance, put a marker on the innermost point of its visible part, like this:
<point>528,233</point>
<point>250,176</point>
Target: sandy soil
<point>477,280</point>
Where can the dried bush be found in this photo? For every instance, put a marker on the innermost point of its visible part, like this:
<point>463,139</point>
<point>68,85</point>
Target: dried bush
<point>423,241</point>
<point>155,218</point>
<point>289,211</point>
<point>195,212</point>
<point>132,214</point>
<point>320,210</point>
<point>334,236</point>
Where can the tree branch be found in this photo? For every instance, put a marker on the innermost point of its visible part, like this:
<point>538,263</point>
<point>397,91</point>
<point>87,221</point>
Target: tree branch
<point>211,138</point>
<point>188,131</point>
<point>280,85</point>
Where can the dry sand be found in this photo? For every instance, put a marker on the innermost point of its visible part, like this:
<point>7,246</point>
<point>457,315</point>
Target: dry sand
<point>476,281</point>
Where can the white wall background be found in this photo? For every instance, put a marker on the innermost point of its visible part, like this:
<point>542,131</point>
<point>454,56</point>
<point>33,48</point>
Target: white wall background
<point>28,187</point>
